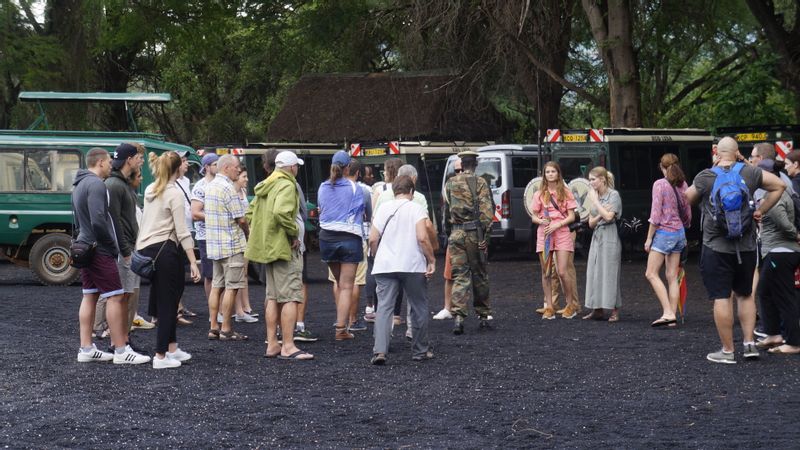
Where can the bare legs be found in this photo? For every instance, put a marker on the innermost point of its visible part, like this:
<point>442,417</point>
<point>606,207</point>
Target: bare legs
<point>345,275</point>
<point>668,295</point>
<point>723,319</point>
<point>117,317</point>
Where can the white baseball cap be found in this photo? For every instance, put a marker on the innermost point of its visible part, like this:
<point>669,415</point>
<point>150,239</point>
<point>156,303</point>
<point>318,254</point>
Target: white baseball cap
<point>287,159</point>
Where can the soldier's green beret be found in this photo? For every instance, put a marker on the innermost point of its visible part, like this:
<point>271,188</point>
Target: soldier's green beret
<point>468,153</point>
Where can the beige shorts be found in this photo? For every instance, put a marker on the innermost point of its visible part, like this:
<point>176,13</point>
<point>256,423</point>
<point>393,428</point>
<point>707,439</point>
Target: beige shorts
<point>230,272</point>
<point>361,270</point>
<point>285,279</point>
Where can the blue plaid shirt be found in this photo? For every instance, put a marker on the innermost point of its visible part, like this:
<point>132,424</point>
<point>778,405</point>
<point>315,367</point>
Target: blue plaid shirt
<point>223,208</point>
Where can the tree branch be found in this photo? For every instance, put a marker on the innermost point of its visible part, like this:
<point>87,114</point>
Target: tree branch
<point>26,7</point>
<point>705,77</point>
<point>531,56</point>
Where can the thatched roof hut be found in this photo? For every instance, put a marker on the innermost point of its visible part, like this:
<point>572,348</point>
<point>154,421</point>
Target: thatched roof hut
<point>368,107</point>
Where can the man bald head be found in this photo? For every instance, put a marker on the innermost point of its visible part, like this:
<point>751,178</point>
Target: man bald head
<point>727,149</point>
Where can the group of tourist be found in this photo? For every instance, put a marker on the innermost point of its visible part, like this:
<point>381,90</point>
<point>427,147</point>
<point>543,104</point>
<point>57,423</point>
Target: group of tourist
<point>379,237</point>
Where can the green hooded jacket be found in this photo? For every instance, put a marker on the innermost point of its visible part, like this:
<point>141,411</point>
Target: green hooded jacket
<point>272,215</point>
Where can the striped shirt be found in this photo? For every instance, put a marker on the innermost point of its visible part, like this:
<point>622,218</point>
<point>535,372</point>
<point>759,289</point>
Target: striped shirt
<point>223,208</point>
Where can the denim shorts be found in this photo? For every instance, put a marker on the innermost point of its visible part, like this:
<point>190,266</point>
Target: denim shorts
<point>341,251</point>
<point>667,242</point>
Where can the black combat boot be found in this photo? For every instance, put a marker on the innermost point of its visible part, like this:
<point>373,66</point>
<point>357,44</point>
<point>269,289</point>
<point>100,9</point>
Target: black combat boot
<point>458,327</point>
<point>484,324</point>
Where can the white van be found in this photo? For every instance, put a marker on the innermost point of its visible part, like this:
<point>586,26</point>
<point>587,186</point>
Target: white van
<point>507,168</point>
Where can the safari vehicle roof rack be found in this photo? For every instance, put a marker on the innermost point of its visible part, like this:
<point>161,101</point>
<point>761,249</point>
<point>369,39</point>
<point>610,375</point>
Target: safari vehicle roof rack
<point>91,97</point>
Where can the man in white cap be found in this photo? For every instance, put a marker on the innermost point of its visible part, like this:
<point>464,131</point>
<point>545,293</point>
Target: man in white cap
<point>276,239</point>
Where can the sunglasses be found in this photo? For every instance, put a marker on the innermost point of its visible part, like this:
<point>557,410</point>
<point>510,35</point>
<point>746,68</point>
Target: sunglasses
<point>459,170</point>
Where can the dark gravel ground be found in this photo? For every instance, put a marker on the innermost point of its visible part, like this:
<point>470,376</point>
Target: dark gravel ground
<point>526,383</point>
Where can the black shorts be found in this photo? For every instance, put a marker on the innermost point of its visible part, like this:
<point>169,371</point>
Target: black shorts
<point>722,273</point>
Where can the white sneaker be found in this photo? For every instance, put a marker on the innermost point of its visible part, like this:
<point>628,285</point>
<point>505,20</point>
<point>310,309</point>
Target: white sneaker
<point>130,357</point>
<point>369,310</point>
<point>245,318</point>
<point>166,363</point>
<point>94,355</point>
<point>409,334</point>
<point>178,355</point>
<point>443,315</point>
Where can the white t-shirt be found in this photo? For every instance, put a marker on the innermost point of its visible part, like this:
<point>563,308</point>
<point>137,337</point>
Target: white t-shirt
<point>199,194</point>
<point>399,250</point>
<point>183,183</point>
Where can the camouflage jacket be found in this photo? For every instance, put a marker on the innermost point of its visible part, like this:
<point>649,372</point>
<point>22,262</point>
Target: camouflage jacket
<point>459,206</point>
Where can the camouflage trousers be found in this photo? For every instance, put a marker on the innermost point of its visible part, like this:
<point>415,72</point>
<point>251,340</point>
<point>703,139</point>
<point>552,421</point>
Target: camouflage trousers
<point>470,277</point>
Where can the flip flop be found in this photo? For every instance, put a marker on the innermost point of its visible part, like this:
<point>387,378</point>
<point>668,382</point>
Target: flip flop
<point>662,322</point>
<point>271,355</point>
<point>761,345</point>
<point>778,351</point>
<point>296,356</point>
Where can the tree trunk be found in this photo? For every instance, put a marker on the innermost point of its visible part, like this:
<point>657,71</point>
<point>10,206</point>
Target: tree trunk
<point>784,42</point>
<point>612,31</point>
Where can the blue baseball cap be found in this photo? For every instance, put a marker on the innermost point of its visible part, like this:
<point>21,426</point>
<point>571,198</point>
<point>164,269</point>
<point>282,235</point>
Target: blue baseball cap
<point>208,159</point>
<point>341,158</point>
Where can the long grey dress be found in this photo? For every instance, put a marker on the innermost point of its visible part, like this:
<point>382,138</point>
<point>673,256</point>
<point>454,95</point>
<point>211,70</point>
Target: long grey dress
<point>605,258</point>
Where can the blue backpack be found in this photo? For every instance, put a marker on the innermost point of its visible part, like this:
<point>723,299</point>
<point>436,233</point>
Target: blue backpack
<point>731,208</point>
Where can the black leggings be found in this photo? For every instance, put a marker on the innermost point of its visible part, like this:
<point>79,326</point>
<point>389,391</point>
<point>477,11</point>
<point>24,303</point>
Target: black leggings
<point>166,289</point>
<point>778,297</point>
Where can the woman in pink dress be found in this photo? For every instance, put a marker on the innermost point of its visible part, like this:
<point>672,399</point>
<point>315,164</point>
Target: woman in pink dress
<point>553,208</point>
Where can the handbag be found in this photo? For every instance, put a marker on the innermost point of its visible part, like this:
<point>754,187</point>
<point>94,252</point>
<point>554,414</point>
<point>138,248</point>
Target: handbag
<point>80,253</point>
<point>143,265</point>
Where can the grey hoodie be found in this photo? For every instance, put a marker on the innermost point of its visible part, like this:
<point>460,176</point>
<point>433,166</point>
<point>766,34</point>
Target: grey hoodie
<point>90,203</point>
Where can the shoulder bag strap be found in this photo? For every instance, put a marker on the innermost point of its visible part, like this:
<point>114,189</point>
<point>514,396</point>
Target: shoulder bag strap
<point>380,238</point>
<point>472,183</point>
<point>184,192</point>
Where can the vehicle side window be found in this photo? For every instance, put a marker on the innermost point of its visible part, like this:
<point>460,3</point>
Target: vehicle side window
<point>11,171</point>
<point>641,165</point>
<point>51,170</point>
<point>698,159</point>
<point>523,170</point>
<point>575,167</point>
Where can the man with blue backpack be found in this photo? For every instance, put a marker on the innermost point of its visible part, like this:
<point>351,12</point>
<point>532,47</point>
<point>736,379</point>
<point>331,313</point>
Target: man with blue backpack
<point>728,258</point>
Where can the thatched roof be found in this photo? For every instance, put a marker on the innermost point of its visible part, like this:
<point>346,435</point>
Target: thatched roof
<point>380,107</point>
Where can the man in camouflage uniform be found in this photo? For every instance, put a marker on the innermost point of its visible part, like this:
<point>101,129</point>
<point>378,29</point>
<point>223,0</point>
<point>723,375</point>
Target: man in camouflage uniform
<point>470,277</point>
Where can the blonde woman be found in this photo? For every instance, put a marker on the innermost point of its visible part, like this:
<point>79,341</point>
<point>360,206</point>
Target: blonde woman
<point>605,253</point>
<point>553,208</point>
<point>163,229</point>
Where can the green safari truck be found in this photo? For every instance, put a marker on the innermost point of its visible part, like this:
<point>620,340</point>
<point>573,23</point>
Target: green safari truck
<point>37,169</point>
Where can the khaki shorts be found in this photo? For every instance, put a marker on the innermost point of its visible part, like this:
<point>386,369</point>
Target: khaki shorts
<point>361,270</point>
<point>130,281</point>
<point>285,279</point>
<point>230,272</point>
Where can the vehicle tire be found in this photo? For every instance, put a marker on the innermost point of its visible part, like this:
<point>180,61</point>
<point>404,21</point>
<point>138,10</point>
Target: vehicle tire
<point>49,260</point>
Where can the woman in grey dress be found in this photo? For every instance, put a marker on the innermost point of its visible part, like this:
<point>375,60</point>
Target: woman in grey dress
<point>605,253</point>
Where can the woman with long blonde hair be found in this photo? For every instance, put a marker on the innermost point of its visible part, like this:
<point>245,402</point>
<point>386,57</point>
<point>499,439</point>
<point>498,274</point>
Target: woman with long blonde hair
<point>163,229</point>
<point>670,215</point>
<point>553,207</point>
<point>605,254</point>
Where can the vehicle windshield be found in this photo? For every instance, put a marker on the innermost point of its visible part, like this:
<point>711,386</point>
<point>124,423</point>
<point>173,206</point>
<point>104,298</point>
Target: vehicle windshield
<point>489,169</point>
